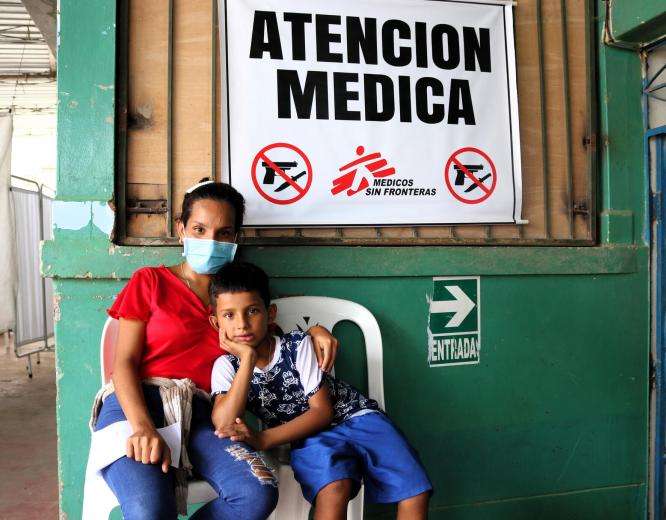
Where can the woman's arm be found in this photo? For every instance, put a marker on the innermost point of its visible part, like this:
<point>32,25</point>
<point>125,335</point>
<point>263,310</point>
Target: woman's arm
<point>145,444</point>
<point>318,417</point>
<point>325,347</point>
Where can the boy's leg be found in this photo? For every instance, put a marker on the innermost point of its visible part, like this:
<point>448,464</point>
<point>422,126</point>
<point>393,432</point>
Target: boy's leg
<point>414,508</point>
<point>324,461</point>
<point>392,472</point>
<point>332,500</point>
<point>247,488</point>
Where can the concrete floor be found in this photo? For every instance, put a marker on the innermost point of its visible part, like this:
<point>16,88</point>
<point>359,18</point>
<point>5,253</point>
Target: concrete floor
<point>28,461</point>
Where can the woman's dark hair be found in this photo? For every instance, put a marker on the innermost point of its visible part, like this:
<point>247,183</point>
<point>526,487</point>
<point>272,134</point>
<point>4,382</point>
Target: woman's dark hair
<point>219,191</point>
<point>237,277</point>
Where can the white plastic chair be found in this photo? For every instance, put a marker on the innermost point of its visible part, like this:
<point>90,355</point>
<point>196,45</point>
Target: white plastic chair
<point>198,490</point>
<point>293,312</point>
<point>303,312</point>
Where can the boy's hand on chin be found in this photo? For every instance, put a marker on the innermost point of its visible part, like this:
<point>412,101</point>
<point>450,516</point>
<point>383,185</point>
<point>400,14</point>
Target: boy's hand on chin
<point>240,350</point>
<point>241,432</point>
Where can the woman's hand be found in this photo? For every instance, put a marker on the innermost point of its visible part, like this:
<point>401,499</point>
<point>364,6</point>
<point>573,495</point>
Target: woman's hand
<point>241,432</point>
<point>147,446</point>
<point>325,347</point>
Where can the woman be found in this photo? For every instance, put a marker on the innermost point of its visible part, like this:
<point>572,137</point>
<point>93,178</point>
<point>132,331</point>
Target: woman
<point>165,338</point>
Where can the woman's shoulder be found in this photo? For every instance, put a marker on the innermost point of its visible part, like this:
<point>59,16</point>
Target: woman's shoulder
<point>151,269</point>
<point>148,278</point>
<point>134,301</point>
<point>150,273</point>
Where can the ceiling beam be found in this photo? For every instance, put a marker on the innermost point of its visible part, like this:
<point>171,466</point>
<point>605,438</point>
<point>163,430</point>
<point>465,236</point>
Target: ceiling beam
<point>43,13</point>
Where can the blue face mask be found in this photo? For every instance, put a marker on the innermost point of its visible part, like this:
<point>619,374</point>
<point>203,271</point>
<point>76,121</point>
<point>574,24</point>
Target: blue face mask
<point>207,256</point>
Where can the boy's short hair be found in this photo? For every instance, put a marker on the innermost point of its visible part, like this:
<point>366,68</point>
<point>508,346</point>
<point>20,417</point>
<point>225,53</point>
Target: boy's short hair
<point>237,277</point>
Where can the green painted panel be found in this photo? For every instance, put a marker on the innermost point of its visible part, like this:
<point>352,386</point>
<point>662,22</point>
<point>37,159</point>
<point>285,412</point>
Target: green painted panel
<point>558,402</point>
<point>86,80</point>
<point>638,22</point>
<point>623,184</point>
<point>80,315</point>
<point>88,254</point>
<point>615,503</point>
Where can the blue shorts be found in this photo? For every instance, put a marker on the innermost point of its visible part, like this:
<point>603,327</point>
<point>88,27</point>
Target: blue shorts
<point>367,449</point>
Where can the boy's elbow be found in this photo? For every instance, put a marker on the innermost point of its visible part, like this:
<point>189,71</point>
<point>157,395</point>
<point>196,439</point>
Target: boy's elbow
<point>218,419</point>
<point>221,418</point>
<point>328,415</point>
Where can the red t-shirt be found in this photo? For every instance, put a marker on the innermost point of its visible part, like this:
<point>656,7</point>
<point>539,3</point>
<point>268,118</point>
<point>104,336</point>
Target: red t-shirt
<point>180,341</point>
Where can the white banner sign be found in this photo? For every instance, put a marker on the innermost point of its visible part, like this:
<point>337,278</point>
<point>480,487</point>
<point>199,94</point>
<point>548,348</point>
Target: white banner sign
<point>371,112</point>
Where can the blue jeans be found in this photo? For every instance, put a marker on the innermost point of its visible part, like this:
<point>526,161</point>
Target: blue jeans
<point>145,493</point>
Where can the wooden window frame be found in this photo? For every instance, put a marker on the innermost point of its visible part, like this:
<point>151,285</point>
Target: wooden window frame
<point>378,236</point>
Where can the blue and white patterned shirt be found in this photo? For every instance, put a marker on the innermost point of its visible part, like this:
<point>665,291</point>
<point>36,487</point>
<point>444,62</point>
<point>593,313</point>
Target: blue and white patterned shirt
<point>280,392</point>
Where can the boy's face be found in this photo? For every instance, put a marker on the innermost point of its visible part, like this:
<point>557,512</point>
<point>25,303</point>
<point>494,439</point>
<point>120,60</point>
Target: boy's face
<point>243,317</point>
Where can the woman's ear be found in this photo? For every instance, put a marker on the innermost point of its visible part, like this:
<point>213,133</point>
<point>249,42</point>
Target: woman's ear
<point>180,227</point>
<point>213,321</point>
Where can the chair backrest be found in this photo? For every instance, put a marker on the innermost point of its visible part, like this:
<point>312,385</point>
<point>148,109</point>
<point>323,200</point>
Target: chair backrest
<point>107,348</point>
<point>305,311</point>
<point>295,312</point>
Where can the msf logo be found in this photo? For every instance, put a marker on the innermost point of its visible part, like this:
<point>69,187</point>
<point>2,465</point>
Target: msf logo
<point>357,175</point>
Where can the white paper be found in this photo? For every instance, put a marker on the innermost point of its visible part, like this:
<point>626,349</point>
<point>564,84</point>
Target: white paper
<point>106,446</point>
<point>109,444</point>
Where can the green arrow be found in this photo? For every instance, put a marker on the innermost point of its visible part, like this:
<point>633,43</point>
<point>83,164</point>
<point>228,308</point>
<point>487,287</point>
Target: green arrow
<point>461,306</point>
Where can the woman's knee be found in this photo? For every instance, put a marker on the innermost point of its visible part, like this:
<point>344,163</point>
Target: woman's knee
<point>142,490</point>
<point>250,502</point>
<point>245,483</point>
<point>148,508</point>
<point>256,492</point>
<point>262,502</point>
<point>257,496</point>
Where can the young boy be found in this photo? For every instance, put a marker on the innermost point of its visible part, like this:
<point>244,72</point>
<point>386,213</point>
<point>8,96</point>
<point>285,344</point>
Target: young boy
<point>339,437</point>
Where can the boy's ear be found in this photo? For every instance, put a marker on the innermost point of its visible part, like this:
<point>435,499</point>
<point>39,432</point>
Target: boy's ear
<point>272,313</point>
<point>213,321</point>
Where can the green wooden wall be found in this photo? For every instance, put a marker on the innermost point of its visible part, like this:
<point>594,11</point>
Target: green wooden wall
<point>553,422</point>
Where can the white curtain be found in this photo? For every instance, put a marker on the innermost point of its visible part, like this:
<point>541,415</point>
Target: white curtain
<point>8,267</point>
<point>8,264</point>
<point>34,304</point>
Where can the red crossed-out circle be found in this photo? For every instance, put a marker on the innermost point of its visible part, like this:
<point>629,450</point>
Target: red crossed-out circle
<point>302,190</point>
<point>453,160</point>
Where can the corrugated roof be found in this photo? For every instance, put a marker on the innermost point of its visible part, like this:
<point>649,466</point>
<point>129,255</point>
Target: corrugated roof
<point>27,69</point>
<point>28,94</point>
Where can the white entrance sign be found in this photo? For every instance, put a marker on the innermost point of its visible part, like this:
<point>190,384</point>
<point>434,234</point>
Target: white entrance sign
<point>371,112</point>
<point>454,321</point>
